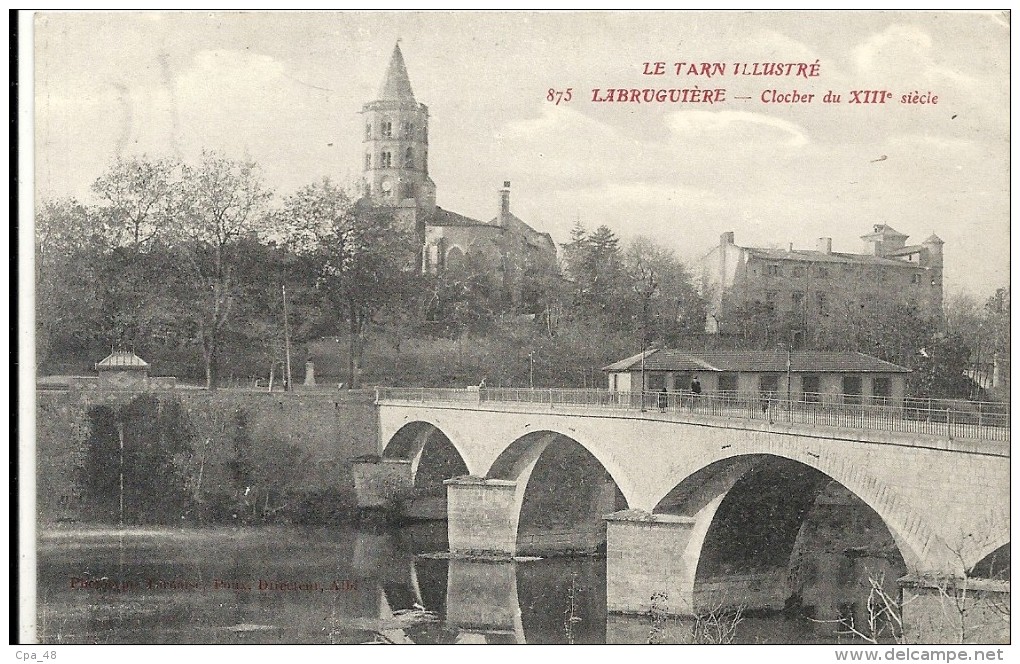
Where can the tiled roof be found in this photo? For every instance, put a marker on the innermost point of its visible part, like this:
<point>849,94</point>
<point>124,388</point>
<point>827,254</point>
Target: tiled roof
<point>883,231</point>
<point>633,360</point>
<point>122,359</point>
<point>443,217</point>
<point>513,222</point>
<point>757,361</point>
<point>822,257</point>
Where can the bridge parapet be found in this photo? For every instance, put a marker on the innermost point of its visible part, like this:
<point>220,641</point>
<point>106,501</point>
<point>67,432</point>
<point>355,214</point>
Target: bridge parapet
<point>968,421</point>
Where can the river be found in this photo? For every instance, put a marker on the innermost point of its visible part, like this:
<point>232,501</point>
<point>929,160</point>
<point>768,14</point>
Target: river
<point>322,586</point>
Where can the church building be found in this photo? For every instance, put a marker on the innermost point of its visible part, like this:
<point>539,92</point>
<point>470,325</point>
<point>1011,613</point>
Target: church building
<point>396,178</point>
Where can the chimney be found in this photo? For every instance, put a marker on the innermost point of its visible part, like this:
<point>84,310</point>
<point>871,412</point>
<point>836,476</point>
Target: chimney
<point>825,245</point>
<point>726,238</point>
<point>790,249</point>
<point>504,198</point>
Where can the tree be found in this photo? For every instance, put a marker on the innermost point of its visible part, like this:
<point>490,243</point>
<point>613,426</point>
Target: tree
<point>998,323</point>
<point>678,310</point>
<point>223,201</point>
<point>594,266</point>
<point>69,249</point>
<point>362,258</point>
<point>138,197</point>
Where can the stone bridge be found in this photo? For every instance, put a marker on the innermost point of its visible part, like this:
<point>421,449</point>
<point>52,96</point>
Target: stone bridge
<point>659,489</point>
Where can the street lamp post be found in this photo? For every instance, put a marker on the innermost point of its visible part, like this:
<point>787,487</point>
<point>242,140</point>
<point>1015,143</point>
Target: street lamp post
<point>644,344</point>
<point>648,289</point>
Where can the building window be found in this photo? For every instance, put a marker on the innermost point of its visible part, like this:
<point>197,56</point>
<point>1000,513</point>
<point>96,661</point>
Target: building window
<point>386,160</point>
<point>851,389</point>
<point>728,382</point>
<point>368,130</point>
<point>915,278</point>
<point>797,297</point>
<point>797,339</point>
<point>881,386</point>
<point>387,129</point>
<point>821,303</point>
<point>408,130</point>
<point>811,387</point>
<point>798,271</point>
<point>768,383</point>
<point>409,158</point>
<point>772,270</point>
<point>368,161</point>
<point>822,271</point>
<point>770,300</point>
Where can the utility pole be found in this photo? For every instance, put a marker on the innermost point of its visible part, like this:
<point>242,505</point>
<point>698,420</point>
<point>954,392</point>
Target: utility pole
<point>286,336</point>
<point>531,370</point>
<point>789,381</point>
<point>120,435</point>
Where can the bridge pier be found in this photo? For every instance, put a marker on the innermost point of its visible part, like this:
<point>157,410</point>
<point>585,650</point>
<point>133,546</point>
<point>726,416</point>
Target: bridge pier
<point>482,516</point>
<point>379,483</point>
<point>646,558</point>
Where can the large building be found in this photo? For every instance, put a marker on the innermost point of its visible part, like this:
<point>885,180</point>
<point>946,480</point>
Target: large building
<point>804,284</point>
<point>396,177</point>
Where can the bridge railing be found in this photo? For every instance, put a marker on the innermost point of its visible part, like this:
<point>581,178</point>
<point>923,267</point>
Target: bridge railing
<point>949,419</point>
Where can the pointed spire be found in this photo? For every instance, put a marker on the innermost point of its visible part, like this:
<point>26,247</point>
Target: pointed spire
<point>396,86</point>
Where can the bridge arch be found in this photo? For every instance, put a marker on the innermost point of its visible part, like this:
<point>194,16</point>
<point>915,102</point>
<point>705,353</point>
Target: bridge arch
<point>408,440</point>
<point>562,491</point>
<point>433,458</point>
<point>995,564</point>
<point>756,522</point>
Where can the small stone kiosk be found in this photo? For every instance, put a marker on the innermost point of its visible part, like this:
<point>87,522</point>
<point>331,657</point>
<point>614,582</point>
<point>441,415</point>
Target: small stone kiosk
<point>123,370</point>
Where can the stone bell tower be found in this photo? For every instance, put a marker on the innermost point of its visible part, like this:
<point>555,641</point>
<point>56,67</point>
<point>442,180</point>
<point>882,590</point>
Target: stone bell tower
<point>396,154</point>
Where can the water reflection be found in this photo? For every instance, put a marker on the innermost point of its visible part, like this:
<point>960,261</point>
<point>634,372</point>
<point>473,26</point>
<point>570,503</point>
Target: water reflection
<point>291,585</point>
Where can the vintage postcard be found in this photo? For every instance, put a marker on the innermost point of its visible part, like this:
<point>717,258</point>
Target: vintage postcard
<point>566,327</point>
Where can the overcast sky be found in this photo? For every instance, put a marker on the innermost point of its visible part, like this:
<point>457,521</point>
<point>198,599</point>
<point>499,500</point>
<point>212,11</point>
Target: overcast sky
<point>286,89</point>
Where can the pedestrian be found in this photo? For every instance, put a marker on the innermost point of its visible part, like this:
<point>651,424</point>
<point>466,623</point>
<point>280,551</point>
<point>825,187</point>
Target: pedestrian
<point>663,400</point>
<point>696,387</point>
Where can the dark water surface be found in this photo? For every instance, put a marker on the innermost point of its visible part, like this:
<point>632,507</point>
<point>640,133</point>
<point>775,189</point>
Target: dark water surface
<point>293,585</point>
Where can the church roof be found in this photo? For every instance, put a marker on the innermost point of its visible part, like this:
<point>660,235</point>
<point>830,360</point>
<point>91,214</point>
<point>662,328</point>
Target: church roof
<point>443,217</point>
<point>515,223</point>
<point>396,86</point>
